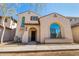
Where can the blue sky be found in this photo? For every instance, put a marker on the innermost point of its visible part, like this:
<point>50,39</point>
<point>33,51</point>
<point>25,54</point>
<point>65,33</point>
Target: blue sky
<point>65,9</point>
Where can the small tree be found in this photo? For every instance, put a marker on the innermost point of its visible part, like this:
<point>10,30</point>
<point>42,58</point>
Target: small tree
<point>5,10</point>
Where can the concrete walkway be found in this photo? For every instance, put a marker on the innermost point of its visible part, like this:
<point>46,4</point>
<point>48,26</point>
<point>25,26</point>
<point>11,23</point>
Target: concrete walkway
<point>22,48</point>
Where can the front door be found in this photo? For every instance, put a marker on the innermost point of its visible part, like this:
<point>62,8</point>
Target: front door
<point>33,35</point>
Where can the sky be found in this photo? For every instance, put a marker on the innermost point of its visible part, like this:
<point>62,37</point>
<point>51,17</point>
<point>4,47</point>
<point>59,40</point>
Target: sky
<point>66,9</point>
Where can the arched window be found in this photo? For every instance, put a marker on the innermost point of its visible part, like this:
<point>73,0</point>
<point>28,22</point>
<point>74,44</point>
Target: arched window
<point>23,22</point>
<point>55,31</point>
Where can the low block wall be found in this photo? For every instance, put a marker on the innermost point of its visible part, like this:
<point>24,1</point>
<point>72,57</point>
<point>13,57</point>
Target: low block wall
<point>58,41</point>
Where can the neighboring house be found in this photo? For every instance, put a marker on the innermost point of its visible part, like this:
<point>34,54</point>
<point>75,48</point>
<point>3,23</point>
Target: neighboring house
<point>75,28</point>
<point>10,25</point>
<point>73,20</point>
<point>52,28</point>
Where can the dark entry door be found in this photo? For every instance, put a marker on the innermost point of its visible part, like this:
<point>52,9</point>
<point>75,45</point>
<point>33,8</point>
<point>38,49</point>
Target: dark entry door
<point>33,36</point>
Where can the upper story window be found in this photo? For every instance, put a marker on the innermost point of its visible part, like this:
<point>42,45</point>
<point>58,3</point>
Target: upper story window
<point>34,18</point>
<point>23,22</point>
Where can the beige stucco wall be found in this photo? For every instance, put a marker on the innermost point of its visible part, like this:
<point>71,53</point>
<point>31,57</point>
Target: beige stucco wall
<point>75,32</point>
<point>64,23</point>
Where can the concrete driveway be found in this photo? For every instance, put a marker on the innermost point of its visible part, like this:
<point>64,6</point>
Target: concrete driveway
<point>41,47</point>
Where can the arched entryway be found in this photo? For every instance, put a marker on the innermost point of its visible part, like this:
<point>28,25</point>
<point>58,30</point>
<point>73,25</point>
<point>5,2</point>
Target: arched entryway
<point>32,34</point>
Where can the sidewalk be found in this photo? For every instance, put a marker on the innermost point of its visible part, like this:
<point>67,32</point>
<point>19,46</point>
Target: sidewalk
<point>42,47</point>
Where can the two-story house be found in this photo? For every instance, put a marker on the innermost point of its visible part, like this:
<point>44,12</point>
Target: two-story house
<point>51,28</point>
<point>10,25</point>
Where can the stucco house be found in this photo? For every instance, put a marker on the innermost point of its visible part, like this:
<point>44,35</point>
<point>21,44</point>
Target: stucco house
<point>10,25</point>
<point>52,28</point>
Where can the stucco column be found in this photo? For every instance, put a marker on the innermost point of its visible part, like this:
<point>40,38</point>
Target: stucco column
<point>25,37</point>
<point>68,31</point>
